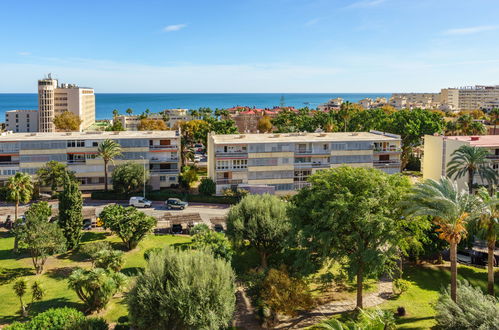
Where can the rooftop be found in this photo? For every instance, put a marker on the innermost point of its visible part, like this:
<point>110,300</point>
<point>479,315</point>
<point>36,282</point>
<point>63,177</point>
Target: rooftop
<point>477,140</point>
<point>305,137</point>
<point>21,110</point>
<point>9,137</point>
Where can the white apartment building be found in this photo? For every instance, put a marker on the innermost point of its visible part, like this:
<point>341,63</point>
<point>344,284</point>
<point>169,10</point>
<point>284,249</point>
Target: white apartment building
<point>21,121</point>
<point>415,100</point>
<point>471,97</point>
<point>158,151</point>
<point>283,162</point>
<point>54,100</point>
<point>170,116</point>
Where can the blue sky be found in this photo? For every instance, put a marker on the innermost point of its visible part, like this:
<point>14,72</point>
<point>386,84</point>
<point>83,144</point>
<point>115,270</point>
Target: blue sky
<point>250,45</point>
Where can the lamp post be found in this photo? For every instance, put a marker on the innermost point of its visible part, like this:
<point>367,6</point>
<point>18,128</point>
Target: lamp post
<point>144,162</point>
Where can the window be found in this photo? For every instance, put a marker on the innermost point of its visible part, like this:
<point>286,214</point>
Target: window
<point>172,178</point>
<point>95,144</point>
<point>75,144</point>
<point>162,178</point>
<point>91,156</point>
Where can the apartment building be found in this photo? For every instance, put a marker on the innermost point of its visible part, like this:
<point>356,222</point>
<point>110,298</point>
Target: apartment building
<point>246,119</point>
<point>471,97</point>
<point>438,152</point>
<point>169,116</point>
<point>54,99</point>
<point>158,151</point>
<point>415,100</point>
<point>21,121</point>
<point>283,162</point>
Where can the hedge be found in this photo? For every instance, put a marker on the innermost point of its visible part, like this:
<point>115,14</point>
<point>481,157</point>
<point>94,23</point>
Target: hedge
<point>163,195</point>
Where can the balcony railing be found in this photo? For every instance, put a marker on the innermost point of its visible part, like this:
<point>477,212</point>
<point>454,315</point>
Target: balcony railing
<point>80,161</point>
<point>386,162</point>
<point>163,171</point>
<point>231,154</point>
<point>387,150</point>
<point>311,164</point>
<point>163,146</point>
<point>11,163</point>
<point>492,156</point>
<point>162,160</point>
<point>229,181</point>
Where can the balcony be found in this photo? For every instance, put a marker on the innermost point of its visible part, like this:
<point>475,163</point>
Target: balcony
<point>11,163</point>
<point>163,146</point>
<point>231,154</point>
<point>163,160</point>
<point>164,171</point>
<point>78,161</point>
<point>229,181</point>
<point>492,156</point>
<point>312,164</point>
<point>387,150</point>
<point>391,163</point>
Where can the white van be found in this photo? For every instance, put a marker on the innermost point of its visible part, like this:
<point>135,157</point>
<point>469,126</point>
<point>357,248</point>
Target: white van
<point>139,202</point>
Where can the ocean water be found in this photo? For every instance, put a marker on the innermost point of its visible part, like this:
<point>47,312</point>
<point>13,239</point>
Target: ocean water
<point>106,102</point>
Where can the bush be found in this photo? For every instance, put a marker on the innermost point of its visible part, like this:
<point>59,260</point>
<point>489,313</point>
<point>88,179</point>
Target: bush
<point>109,259</point>
<point>52,319</point>
<point>200,227</point>
<point>90,249</point>
<point>95,287</point>
<point>473,309</point>
<point>92,323</point>
<point>215,243</point>
<point>207,187</point>
<point>182,290</point>
<point>150,251</point>
<point>400,286</point>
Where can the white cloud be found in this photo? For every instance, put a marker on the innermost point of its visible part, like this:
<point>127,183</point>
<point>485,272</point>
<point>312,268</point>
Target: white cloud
<point>24,53</point>
<point>174,27</point>
<point>366,3</point>
<point>470,30</point>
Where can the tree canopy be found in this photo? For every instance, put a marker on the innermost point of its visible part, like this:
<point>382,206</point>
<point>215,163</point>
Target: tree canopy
<point>70,218</point>
<point>52,175</point>
<point>129,177</point>
<point>67,122</point>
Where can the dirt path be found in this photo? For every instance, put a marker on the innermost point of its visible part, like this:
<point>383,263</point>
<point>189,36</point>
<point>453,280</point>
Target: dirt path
<point>385,290</point>
<point>244,317</point>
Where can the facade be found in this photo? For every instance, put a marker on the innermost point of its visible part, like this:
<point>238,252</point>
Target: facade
<point>285,161</point>
<point>20,121</point>
<point>54,100</point>
<point>415,100</point>
<point>246,119</point>
<point>27,152</point>
<point>438,151</point>
<point>333,104</point>
<point>471,97</point>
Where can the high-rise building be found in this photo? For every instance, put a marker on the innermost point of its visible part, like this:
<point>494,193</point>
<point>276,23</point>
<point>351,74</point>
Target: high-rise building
<point>158,152</point>
<point>54,100</point>
<point>282,163</point>
<point>471,97</point>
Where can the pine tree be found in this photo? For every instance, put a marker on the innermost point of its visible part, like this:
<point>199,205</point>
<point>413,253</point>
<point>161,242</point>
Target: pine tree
<point>70,212</point>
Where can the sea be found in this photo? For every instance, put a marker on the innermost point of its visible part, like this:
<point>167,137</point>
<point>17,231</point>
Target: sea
<point>105,103</point>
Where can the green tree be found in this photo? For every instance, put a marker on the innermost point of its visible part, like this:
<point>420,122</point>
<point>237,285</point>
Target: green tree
<point>70,218</point>
<point>451,209</point>
<point>216,243</point>
<point>473,310</point>
<point>127,223</point>
<point>20,190</point>
<point>115,126</point>
<point>207,187</point>
<point>468,160</point>
<point>109,259</point>
<point>494,117</point>
<point>116,113</point>
<point>262,221</point>
<point>129,111</point>
<point>95,287</point>
<point>264,124</point>
<point>52,175</point>
<point>172,287</point>
<point>20,287</point>
<point>40,237</point>
<point>129,177</point>
<point>464,122</point>
<point>486,226</point>
<point>67,122</point>
<point>108,150</point>
<point>349,214</point>
<point>477,128</point>
<point>412,125</point>
<point>188,176</point>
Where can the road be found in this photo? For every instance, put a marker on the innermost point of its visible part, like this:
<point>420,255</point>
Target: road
<point>206,211</point>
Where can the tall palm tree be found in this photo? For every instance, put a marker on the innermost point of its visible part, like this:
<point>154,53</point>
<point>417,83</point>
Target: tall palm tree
<point>451,209</point>
<point>20,191</point>
<point>115,112</point>
<point>345,114</point>
<point>477,128</point>
<point>451,128</point>
<point>486,226</point>
<point>129,111</point>
<point>494,117</point>
<point>108,150</point>
<point>467,160</point>
<point>464,123</point>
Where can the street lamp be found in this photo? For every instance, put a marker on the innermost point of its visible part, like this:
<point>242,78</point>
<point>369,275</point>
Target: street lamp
<point>144,175</point>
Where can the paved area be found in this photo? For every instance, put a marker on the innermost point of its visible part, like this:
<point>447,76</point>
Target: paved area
<point>206,211</point>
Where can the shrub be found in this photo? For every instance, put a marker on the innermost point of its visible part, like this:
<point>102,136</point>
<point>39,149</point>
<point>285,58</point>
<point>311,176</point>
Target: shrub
<point>214,242</point>
<point>109,260</point>
<point>200,227</point>
<point>283,294</point>
<point>182,290</point>
<point>52,319</point>
<point>473,309</point>
<point>90,249</point>
<point>92,323</point>
<point>400,286</point>
<point>207,187</point>
<point>95,287</point>
<point>150,251</point>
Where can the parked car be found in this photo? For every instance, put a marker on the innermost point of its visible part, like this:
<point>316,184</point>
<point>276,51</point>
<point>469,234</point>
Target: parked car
<point>218,228</point>
<point>87,224</point>
<point>175,204</point>
<point>177,229</point>
<point>139,202</point>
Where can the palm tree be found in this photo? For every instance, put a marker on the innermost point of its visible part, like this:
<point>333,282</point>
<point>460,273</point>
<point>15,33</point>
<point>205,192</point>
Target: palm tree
<point>345,114</point>
<point>115,113</point>
<point>477,128</point>
<point>451,209</point>
<point>486,226</point>
<point>108,150</point>
<point>494,117</point>
<point>464,123</point>
<point>129,111</point>
<point>20,189</point>
<point>467,160</point>
<point>451,128</point>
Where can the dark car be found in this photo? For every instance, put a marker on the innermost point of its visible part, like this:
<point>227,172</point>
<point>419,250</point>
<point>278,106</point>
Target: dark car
<point>218,228</point>
<point>177,229</point>
<point>175,204</point>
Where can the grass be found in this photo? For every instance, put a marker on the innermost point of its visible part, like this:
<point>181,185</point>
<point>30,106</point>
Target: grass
<point>58,268</point>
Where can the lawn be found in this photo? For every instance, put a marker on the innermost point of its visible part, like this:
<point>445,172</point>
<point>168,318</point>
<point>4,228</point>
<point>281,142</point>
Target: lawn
<point>59,267</point>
